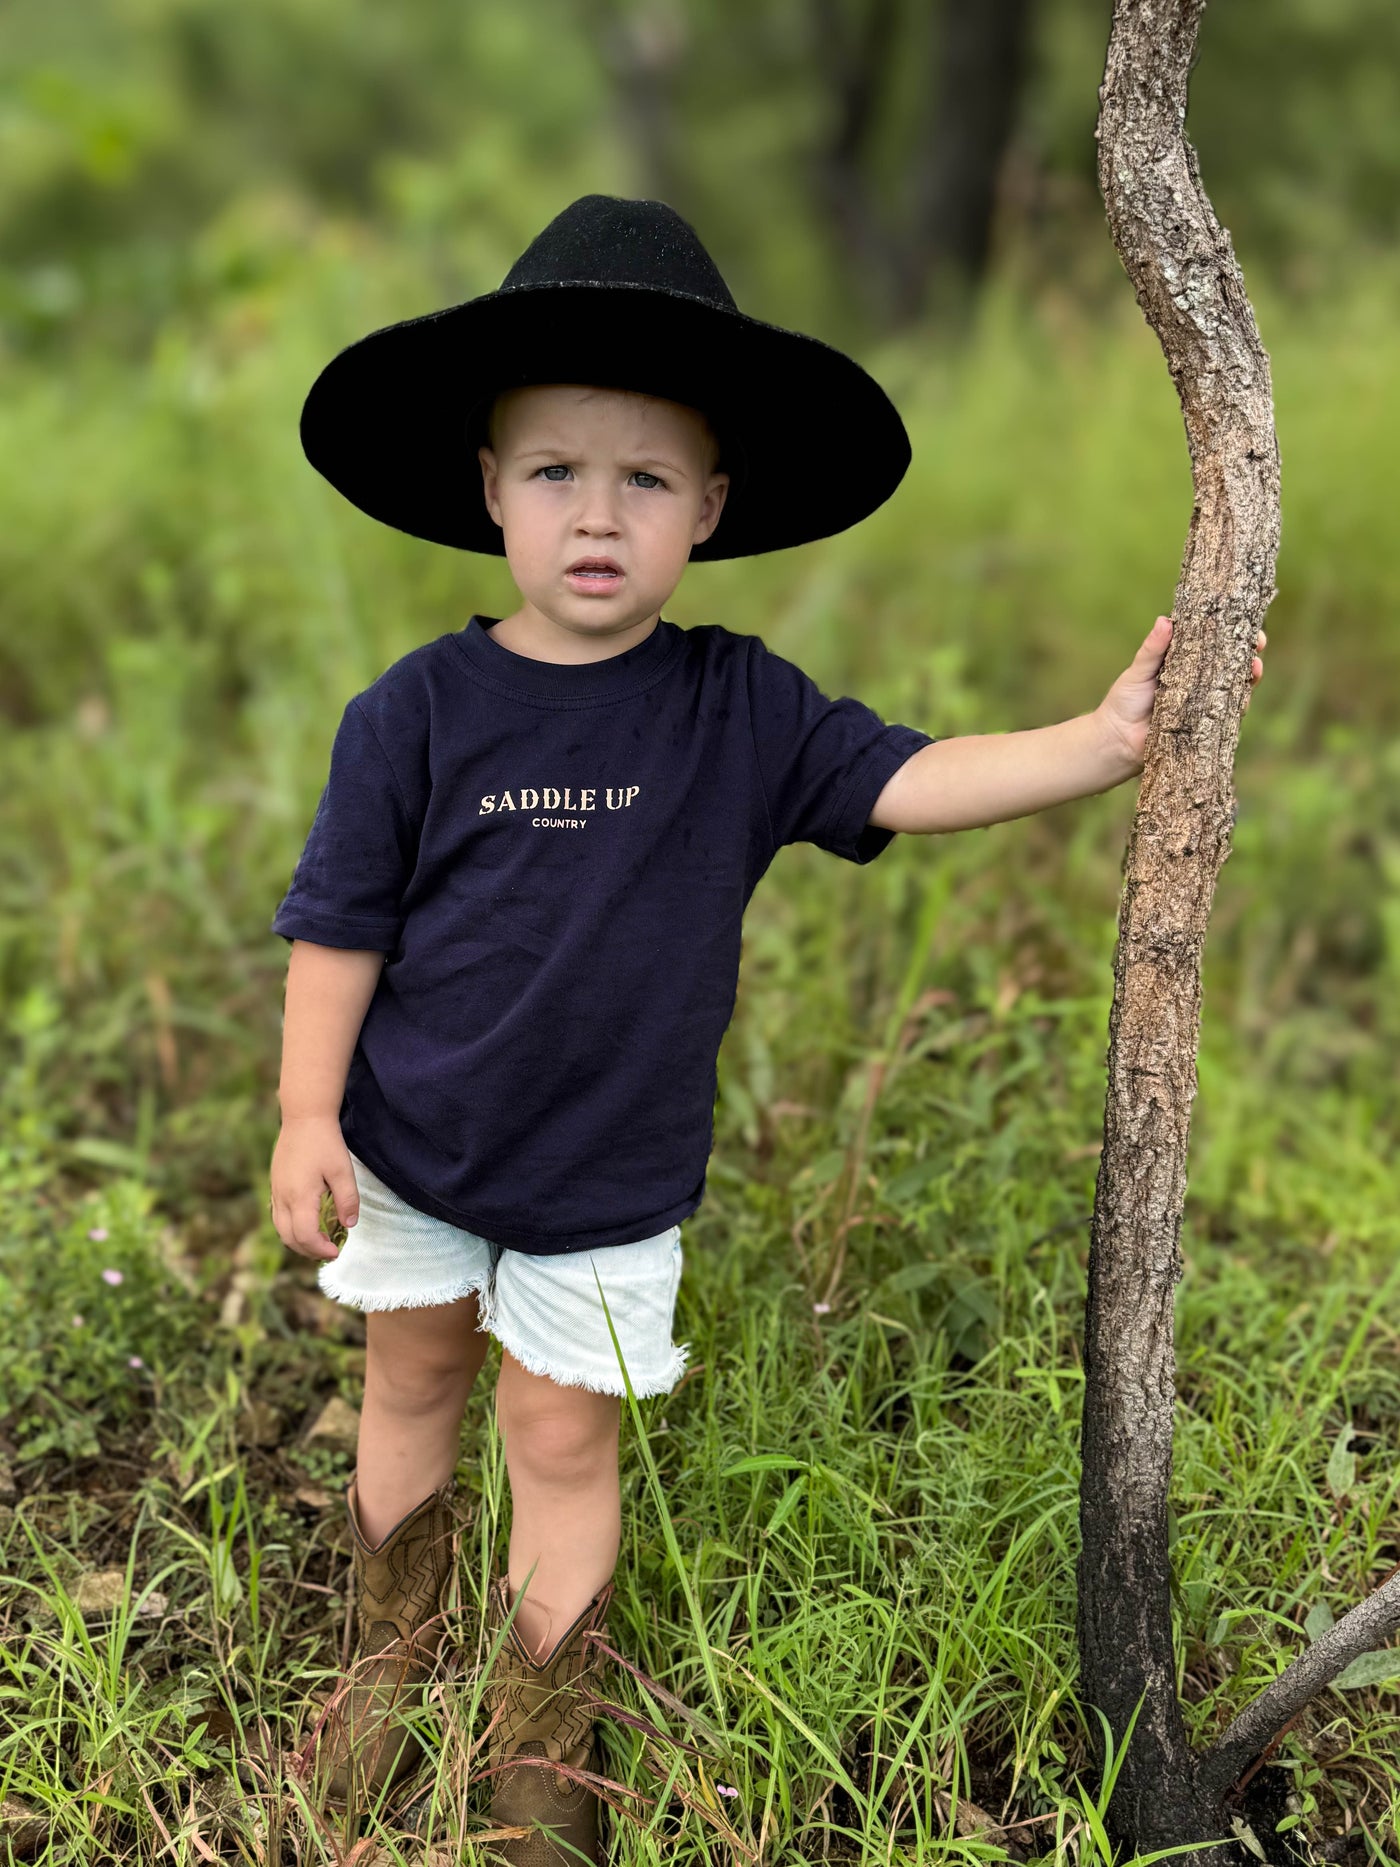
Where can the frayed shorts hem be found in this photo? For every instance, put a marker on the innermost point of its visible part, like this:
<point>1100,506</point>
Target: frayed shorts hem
<point>598,1381</point>
<point>612,1382</point>
<point>371,1302</point>
<point>551,1314</point>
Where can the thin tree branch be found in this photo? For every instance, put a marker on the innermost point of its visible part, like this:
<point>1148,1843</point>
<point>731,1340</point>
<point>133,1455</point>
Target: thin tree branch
<point>1367,1626</point>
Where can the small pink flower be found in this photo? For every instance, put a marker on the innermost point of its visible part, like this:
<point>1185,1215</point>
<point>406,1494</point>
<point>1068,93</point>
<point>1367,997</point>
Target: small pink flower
<point>821,1309</point>
<point>99,1232</point>
<point>135,1361</point>
<point>109,1276</point>
<point>78,1321</point>
<point>726,1789</point>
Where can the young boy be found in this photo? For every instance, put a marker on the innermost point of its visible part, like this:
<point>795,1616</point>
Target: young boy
<point>516,920</point>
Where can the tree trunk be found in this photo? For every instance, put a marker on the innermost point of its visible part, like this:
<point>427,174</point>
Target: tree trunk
<point>643,50</point>
<point>1189,286</point>
<point>852,56</point>
<point>941,246</point>
<point>981,56</point>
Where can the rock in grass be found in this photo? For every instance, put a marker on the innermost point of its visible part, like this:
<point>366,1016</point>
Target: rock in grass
<point>22,1829</point>
<point>337,1427</point>
<point>260,1424</point>
<point>102,1590</point>
<point>317,1314</point>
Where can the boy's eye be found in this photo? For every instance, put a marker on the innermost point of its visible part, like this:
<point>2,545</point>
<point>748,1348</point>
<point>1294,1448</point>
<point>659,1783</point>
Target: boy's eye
<point>554,473</point>
<point>639,475</point>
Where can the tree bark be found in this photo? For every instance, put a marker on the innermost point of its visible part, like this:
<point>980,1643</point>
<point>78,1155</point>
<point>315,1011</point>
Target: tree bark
<point>1189,286</point>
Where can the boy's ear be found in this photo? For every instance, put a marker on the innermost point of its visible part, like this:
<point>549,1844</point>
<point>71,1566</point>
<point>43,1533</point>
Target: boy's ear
<point>488,482</point>
<point>711,506</point>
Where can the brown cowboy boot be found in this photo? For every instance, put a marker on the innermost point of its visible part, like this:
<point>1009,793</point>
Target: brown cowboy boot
<point>360,1747</point>
<point>543,1714</point>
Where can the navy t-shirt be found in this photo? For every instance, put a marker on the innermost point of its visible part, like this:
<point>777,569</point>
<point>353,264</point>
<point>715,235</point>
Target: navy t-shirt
<point>555,861</point>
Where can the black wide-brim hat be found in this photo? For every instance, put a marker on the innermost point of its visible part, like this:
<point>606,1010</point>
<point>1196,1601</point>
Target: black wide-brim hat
<point>618,294</point>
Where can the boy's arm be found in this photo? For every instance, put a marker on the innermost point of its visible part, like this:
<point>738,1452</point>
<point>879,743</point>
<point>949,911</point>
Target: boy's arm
<point>963,784</point>
<point>983,778</point>
<point>328,993</point>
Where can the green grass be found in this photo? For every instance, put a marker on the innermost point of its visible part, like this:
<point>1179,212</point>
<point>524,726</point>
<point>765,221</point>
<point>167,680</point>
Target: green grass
<point>850,1533</point>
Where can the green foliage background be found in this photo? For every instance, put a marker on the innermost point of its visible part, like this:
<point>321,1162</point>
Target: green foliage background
<point>876,1501</point>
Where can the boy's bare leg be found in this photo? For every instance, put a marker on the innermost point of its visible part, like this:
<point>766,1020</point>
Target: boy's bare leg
<point>419,1368</point>
<point>566,1522</point>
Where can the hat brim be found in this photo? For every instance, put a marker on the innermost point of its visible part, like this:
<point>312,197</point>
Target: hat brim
<point>387,420</point>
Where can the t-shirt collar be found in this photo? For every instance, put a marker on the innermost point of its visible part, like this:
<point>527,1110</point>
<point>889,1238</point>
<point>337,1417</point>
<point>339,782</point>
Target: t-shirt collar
<point>503,669</point>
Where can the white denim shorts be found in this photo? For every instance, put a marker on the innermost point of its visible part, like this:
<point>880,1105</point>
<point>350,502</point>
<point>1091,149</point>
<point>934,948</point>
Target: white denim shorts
<point>544,1310</point>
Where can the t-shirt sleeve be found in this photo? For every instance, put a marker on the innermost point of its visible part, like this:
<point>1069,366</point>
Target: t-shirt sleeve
<point>822,762</point>
<point>349,881</point>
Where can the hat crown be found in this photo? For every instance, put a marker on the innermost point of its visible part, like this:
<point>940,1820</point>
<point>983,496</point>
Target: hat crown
<point>604,240</point>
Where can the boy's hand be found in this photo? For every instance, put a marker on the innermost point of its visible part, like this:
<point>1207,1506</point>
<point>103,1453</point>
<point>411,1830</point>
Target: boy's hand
<point>1126,708</point>
<point>310,1156</point>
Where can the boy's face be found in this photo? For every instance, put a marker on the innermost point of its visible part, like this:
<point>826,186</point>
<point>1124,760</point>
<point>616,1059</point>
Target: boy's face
<point>601,494</point>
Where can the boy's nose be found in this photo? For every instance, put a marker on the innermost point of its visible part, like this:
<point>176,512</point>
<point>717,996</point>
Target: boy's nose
<point>597,514</point>
<point>598,522</point>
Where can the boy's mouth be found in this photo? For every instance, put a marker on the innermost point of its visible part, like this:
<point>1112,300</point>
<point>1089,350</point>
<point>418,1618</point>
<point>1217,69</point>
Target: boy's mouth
<point>596,575</point>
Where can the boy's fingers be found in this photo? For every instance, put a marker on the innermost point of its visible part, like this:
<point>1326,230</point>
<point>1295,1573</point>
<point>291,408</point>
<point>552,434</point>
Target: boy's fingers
<point>288,1223</point>
<point>345,1192</point>
<point>307,1235</point>
<point>1154,643</point>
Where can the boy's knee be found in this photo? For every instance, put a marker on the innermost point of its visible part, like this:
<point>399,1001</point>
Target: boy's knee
<point>422,1386</point>
<point>571,1440</point>
<point>424,1370</point>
